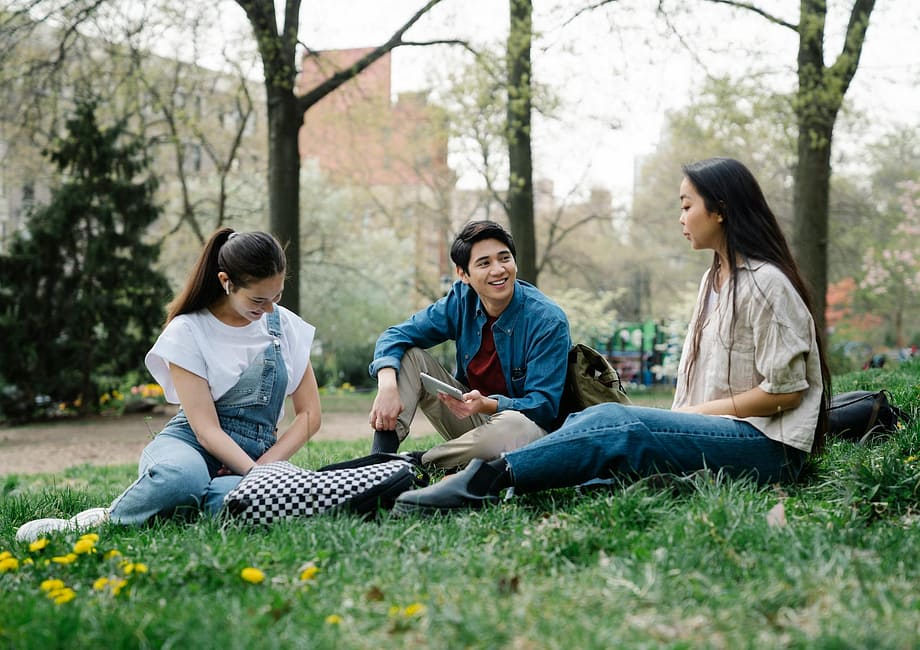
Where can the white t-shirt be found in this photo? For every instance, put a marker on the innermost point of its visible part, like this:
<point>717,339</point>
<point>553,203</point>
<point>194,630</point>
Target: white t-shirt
<point>220,353</point>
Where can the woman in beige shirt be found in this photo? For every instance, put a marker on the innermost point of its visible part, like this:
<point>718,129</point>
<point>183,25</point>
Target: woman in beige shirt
<point>752,386</point>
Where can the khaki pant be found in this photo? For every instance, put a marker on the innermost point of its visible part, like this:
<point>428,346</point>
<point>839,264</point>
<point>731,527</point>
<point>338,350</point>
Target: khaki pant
<point>478,436</point>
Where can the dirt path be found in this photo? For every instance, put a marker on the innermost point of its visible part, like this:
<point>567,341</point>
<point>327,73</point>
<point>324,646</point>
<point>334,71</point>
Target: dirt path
<point>55,446</point>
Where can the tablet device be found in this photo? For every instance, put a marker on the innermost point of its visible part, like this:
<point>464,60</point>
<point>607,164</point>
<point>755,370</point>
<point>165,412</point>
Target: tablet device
<point>435,386</point>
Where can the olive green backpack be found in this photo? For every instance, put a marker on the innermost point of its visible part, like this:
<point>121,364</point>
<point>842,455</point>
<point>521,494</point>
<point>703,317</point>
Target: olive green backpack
<point>590,379</point>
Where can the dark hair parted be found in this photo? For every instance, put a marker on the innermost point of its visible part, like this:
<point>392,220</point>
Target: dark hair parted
<point>751,231</point>
<point>245,257</point>
<point>473,232</point>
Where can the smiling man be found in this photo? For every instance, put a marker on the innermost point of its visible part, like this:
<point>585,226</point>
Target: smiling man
<point>512,346</point>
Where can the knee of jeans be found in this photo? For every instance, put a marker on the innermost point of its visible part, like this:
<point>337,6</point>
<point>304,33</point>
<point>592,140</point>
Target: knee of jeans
<point>179,477</point>
<point>607,411</point>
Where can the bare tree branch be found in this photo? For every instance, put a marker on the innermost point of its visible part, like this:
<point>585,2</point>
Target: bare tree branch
<point>845,66</point>
<point>308,99</point>
<point>749,6</point>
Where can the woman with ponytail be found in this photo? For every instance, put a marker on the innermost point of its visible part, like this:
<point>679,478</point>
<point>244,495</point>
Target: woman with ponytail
<point>229,355</point>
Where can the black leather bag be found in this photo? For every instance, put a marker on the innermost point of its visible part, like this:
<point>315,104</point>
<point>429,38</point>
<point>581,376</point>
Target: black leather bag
<point>863,415</point>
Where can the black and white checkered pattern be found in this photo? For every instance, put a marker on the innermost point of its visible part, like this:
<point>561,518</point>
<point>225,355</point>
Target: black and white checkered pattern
<point>281,490</point>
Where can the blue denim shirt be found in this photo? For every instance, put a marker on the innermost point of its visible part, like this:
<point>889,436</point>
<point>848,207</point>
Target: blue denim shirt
<point>531,337</point>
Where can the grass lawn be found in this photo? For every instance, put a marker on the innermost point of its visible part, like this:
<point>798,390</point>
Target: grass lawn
<point>636,566</point>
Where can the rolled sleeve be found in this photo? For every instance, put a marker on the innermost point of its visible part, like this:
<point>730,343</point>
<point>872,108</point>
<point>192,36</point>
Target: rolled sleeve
<point>781,348</point>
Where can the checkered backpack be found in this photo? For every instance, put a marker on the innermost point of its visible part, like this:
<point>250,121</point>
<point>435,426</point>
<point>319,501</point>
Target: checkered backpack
<point>362,486</point>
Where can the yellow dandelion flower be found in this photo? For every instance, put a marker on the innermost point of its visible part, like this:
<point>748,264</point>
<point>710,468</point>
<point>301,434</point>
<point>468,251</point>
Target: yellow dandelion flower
<point>415,609</point>
<point>28,560</point>
<point>133,567</point>
<point>117,585</point>
<point>252,574</point>
<point>70,558</point>
<point>100,583</point>
<point>309,573</point>
<point>8,564</point>
<point>84,546</point>
<point>5,554</point>
<point>333,619</point>
<point>111,554</point>
<point>51,584</point>
<point>93,537</point>
<point>38,544</point>
<point>65,595</point>
<point>104,399</point>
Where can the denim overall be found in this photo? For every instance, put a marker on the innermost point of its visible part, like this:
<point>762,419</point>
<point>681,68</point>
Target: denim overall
<point>176,472</point>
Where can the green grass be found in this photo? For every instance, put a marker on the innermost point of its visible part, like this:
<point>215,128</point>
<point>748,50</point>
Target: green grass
<point>636,566</point>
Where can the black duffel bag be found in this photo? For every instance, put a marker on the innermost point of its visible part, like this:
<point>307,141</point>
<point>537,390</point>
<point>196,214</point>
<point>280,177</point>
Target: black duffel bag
<point>863,415</point>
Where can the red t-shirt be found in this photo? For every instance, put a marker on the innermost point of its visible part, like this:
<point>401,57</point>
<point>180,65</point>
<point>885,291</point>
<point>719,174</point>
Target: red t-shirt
<point>485,371</point>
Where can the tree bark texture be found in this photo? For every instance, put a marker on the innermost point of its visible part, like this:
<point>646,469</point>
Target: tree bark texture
<point>520,155</point>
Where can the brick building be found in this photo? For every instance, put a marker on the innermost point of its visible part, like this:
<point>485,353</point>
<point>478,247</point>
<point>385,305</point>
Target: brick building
<point>391,153</point>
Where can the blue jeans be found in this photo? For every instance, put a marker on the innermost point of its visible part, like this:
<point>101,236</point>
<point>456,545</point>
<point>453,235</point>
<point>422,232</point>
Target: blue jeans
<point>176,473</point>
<point>610,440</point>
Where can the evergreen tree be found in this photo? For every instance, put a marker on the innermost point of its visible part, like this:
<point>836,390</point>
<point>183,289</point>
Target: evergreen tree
<point>80,299</point>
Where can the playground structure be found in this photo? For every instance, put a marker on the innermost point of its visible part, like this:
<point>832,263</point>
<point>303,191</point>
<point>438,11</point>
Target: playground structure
<point>644,353</point>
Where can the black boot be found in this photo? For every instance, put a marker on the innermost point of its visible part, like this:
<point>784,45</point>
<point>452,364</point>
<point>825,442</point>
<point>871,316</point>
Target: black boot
<point>385,442</point>
<point>480,483</point>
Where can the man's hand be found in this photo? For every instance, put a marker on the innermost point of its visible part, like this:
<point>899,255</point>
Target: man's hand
<point>473,402</point>
<point>387,405</point>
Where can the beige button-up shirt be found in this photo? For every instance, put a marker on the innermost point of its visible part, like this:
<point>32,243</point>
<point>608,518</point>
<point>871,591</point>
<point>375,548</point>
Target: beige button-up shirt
<point>771,345</point>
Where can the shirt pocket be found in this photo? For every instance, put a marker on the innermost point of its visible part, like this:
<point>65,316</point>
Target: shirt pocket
<point>518,379</point>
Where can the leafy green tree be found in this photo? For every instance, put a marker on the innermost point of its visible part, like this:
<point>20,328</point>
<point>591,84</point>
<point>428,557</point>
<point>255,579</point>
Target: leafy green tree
<point>80,299</point>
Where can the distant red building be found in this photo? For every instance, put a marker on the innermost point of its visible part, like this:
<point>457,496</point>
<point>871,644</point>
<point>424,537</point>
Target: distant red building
<point>358,136</point>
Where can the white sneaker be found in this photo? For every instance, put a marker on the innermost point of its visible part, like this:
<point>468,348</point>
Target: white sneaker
<point>32,530</point>
<point>89,518</point>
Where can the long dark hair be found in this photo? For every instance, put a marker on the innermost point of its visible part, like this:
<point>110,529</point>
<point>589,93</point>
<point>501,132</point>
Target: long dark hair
<point>244,257</point>
<point>751,231</point>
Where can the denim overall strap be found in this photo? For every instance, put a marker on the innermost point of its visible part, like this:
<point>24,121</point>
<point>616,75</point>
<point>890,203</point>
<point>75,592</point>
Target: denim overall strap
<point>249,411</point>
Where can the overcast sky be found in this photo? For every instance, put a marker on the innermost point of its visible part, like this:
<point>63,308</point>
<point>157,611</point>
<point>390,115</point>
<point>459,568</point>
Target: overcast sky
<point>627,68</point>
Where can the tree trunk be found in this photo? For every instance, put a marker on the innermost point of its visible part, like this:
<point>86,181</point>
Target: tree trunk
<point>810,213</point>
<point>284,120</point>
<point>520,157</point>
<point>817,102</point>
